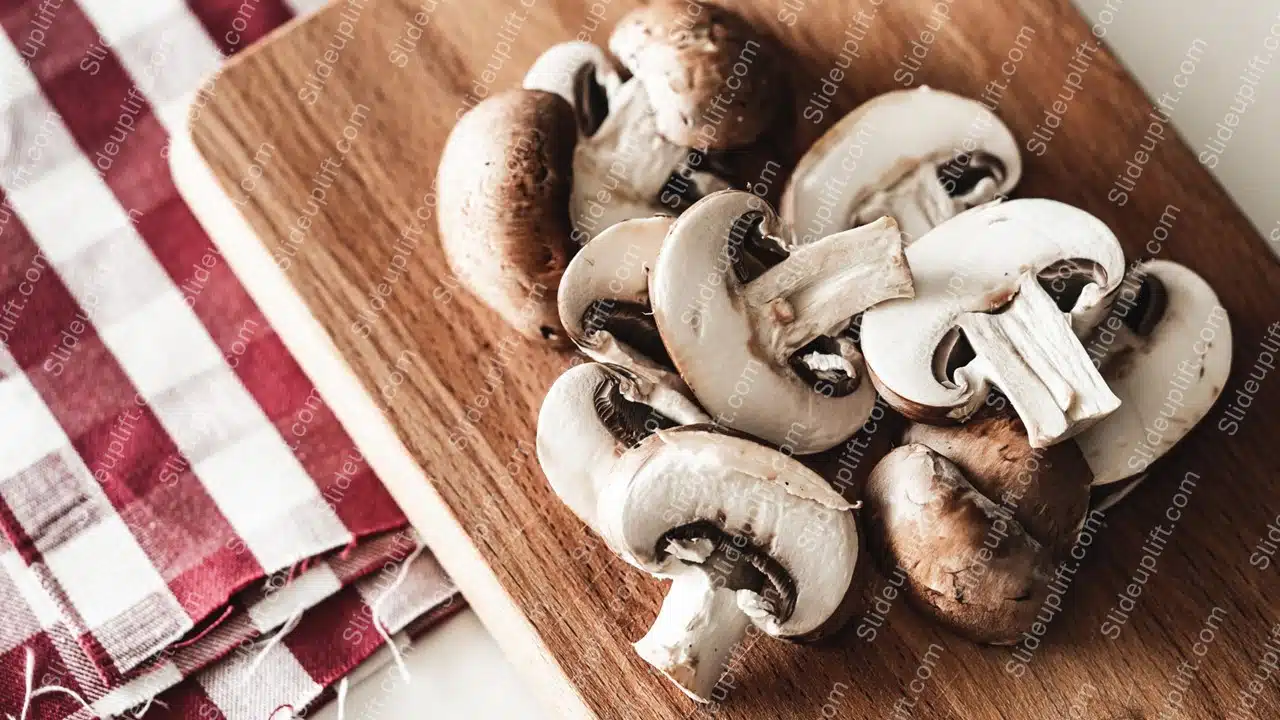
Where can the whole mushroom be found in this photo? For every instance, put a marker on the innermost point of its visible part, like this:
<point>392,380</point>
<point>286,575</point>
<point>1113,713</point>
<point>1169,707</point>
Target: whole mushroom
<point>919,156</point>
<point>504,181</point>
<point>980,317</point>
<point>1046,490</point>
<point>715,82</point>
<point>969,564</point>
<point>747,536</point>
<point>765,351</point>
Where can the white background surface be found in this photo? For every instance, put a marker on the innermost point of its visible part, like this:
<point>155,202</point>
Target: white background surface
<point>457,669</point>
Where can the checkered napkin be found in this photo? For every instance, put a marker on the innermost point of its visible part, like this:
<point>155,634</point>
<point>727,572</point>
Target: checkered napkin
<point>163,460</point>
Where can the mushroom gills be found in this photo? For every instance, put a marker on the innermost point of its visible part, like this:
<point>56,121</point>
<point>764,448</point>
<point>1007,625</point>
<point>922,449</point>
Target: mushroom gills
<point>751,250</point>
<point>592,97</point>
<point>630,421</point>
<point>1067,281</point>
<point>734,563</point>
<point>829,364</point>
<point>962,179</point>
<point>687,185</point>
<point>631,323</point>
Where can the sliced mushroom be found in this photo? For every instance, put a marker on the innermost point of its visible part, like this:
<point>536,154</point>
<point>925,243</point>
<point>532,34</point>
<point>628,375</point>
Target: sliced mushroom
<point>767,355</point>
<point>604,297</point>
<point>583,75</point>
<point>1167,352</point>
<point>981,317</point>
<point>1046,490</point>
<point>746,534</point>
<point>968,564</point>
<point>504,181</point>
<point>713,79</point>
<point>624,166</point>
<point>592,415</point>
<point>919,156</point>
<point>628,169</point>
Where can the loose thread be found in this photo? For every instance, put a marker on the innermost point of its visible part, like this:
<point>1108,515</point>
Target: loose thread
<point>289,625</point>
<point>377,622</point>
<point>342,698</point>
<point>29,694</point>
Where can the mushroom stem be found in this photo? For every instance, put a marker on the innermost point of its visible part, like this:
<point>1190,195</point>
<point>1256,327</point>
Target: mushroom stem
<point>822,285</point>
<point>695,633</point>
<point>625,170</point>
<point>919,202</point>
<point>1028,349</point>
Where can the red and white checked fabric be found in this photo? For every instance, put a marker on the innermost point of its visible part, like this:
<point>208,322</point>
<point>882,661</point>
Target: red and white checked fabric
<point>160,451</point>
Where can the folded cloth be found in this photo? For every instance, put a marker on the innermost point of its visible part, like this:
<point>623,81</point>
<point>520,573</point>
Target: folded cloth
<point>297,672</point>
<point>160,451</point>
<point>371,568</point>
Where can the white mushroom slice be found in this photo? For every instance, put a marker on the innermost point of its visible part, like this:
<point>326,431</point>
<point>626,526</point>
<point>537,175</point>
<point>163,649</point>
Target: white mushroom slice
<point>977,274</point>
<point>746,534</point>
<point>604,297</point>
<point>1168,342</point>
<point>582,74</point>
<point>919,156</point>
<point>627,169</point>
<point>592,414</point>
<point>746,350</point>
<point>623,166</point>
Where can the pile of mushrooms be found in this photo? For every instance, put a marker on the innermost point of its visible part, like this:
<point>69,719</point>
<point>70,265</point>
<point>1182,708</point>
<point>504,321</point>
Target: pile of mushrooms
<point>529,176</point>
<point>1038,375</point>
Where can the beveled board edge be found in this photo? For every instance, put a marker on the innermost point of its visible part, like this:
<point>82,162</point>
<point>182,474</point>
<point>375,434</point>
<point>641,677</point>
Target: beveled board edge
<point>369,428</point>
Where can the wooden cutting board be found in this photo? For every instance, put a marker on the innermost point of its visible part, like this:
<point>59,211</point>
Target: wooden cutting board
<point>351,107</point>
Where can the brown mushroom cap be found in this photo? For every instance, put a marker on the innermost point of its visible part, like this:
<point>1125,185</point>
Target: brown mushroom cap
<point>967,564</point>
<point>1047,489</point>
<point>504,181</point>
<point>714,81</point>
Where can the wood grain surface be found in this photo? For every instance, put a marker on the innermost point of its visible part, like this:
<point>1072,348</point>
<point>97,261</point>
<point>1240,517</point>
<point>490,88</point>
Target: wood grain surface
<point>360,290</point>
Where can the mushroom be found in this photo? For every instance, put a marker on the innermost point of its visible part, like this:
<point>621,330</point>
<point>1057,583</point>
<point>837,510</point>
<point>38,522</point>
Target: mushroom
<point>980,317</point>
<point>592,414</point>
<point>628,169</point>
<point>968,564</point>
<point>769,355</point>
<point>713,79</point>
<point>624,166</point>
<point>919,156</point>
<point>583,75</point>
<point>1167,375</point>
<point>1166,352</point>
<point>1046,490</point>
<point>504,180</point>
<point>747,536</point>
<point>604,297</point>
